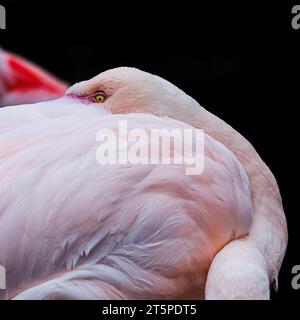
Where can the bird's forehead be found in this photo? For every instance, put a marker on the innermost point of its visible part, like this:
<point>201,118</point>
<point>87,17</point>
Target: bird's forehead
<point>124,72</point>
<point>114,79</point>
<point>121,76</point>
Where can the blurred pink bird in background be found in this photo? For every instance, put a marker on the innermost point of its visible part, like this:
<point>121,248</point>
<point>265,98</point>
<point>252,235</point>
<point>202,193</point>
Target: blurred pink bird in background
<point>73,229</point>
<point>23,82</point>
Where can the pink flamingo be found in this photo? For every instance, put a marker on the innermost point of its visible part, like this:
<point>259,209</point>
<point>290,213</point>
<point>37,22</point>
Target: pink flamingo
<point>73,229</point>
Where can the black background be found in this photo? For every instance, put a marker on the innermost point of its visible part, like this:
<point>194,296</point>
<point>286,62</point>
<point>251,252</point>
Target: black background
<point>239,62</point>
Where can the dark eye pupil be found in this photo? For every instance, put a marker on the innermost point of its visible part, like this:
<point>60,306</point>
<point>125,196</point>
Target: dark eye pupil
<point>100,98</point>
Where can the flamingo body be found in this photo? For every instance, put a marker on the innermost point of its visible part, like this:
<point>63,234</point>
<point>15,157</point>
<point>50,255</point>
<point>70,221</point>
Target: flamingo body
<point>71,228</point>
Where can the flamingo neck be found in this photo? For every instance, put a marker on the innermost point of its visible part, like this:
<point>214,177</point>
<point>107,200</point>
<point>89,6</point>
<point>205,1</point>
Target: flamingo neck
<point>269,230</point>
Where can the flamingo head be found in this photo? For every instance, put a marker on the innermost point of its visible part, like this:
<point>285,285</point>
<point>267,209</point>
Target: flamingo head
<point>127,90</point>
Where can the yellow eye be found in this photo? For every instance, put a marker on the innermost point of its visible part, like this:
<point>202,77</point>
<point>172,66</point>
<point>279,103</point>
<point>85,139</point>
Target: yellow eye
<point>100,98</point>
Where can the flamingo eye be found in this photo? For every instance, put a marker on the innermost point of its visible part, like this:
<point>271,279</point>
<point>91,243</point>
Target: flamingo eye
<point>99,98</point>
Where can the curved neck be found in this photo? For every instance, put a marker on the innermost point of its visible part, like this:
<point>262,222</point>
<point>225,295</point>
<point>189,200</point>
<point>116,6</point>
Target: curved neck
<point>269,229</point>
